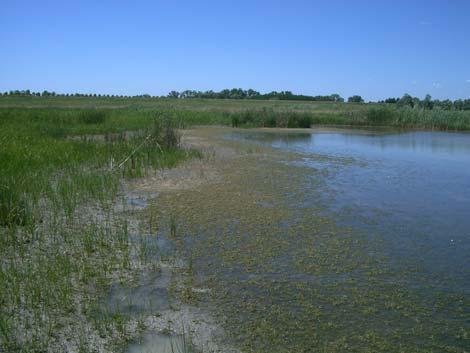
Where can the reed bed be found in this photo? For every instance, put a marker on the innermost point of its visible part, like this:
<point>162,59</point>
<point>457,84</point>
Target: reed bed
<point>372,116</point>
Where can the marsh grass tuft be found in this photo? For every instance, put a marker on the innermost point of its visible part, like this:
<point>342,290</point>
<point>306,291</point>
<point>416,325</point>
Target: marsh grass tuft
<point>165,133</point>
<point>93,116</point>
<point>14,208</point>
<point>271,118</point>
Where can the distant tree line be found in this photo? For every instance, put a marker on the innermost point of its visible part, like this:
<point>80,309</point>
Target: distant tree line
<point>28,93</point>
<point>237,93</point>
<point>428,103</point>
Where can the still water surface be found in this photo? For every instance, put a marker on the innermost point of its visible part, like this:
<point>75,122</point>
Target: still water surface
<point>412,189</point>
<point>340,241</point>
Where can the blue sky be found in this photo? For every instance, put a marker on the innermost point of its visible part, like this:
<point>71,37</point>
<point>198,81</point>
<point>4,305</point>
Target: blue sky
<point>373,48</point>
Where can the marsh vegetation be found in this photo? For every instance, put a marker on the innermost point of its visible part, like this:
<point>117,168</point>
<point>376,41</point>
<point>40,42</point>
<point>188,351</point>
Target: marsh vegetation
<point>259,246</point>
<point>61,242</point>
<point>406,112</point>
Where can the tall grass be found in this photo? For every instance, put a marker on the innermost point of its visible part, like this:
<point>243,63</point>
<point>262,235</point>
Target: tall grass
<point>115,114</point>
<point>93,116</point>
<point>271,118</point>
<point>372,116</point>
<point>418,118</point>
<point>60,241</point>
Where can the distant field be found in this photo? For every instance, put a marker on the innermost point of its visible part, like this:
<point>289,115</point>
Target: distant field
<point>248,113</point>
<point>226,105</point>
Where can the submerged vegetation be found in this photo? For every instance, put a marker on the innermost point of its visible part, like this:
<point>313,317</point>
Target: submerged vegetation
<point>287,274</point>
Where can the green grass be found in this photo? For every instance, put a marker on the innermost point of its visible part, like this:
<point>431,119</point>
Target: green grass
<point>375,115</point>
<point>112,113</point>
<point>418,118</point>
<point>61,244</point>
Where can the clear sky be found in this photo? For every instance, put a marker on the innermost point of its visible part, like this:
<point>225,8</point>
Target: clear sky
<point>373,48</point>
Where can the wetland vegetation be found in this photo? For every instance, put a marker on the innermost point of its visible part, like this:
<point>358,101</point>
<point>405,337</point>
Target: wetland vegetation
<point>268,242</point>
<point>406,112</point>
<point>61,242</point>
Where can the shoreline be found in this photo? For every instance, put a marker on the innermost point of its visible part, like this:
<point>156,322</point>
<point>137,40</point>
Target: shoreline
<point>183,319</point>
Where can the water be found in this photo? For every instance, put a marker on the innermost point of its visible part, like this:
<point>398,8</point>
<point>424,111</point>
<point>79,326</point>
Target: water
<point>158,343</point>
<point>148,295</point>
<point>412,188</point>
<point>406,197</point>
<point>341,241</point>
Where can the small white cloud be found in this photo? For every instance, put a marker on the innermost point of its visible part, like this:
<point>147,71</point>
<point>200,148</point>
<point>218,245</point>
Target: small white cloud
<point>468,81</point>
<point>424,23</point>
<point>414,83</point>
<point>436,84</point>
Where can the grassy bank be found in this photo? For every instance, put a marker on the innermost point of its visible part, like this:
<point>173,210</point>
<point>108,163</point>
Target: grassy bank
<point>372,116</point>
<point>134,112</point>
<point>61,243</point>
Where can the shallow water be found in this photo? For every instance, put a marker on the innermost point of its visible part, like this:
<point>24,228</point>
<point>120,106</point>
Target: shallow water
<point>395,267</point>
<point>353,241</point>
<point>147,296</point>
<point>157,343</point>
<point>410,189</point>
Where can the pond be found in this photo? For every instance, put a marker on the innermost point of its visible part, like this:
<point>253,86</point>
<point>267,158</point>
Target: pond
<point>411,188</point>
<point>333,241</point>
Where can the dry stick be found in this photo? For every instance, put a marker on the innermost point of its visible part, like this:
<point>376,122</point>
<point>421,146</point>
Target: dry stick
<point>136,149</point>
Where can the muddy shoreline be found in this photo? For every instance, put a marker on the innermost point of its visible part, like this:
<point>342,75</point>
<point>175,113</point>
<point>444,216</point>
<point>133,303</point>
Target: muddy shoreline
<point>174,319</point>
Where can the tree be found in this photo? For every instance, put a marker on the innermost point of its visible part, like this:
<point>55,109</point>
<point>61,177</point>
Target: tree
<point>466,104</point>
<point>458,104</point>
<point>252,93</point>
<point>427,102</point>
<point>336,98</point>
<point>416,103</point>
<point>173,94</point>
<point>445,104</point>
<point>406,101</point>
<point>355,99</point>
